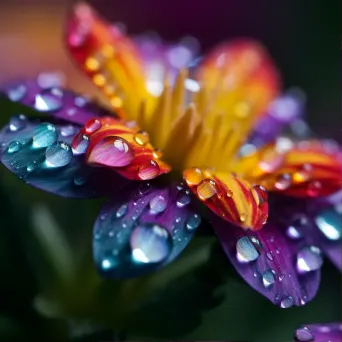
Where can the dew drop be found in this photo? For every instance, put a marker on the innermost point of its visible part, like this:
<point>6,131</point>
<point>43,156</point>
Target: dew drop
<point>157,154</point>
<point>17,122</point>
<point>248,249</point>
<point>297,227</point>
<point>17,93</point>
<point>58,154</point>
<point>193,221</point>
<point>283,182</point>
<point>141,138</point>
<point>314,189</point>
<point>92,125</point>
<point>14,146</point>
<point>183,198</point>
<point>144,188</point>
<point>302,175</point>
<point>31,167</point>
<point>81,101</point>
<point>49,100</point>
<point>229,193</point>
<point>193,176</point>
<point>270,255</point>
<point>44,135</point>
<point>286,303</point>
<point>281,277</point>
<point>206,189</point>
<point>112,151</point>
<point>67,131</point>
<point>122,211</point>
<point>80,143</point>
<point>108,263</point>
<point>259,194</point>
<point>158,203</point>
<point>150,244</point>
<point>149,170</point>
<point>309,258</point>
<point>268,278</point>
<point>329,223</point>
<point>304,334</point>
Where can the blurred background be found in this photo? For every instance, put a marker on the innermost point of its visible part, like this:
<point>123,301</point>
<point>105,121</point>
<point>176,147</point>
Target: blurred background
<point>37,301</point>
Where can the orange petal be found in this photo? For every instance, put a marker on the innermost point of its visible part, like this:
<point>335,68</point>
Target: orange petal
<point>307,169</point>
<point>109,142</point>
<point>107,56</point>
<point>233,199</point>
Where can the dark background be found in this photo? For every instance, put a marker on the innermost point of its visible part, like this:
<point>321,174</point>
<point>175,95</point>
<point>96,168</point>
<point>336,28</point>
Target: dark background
<point>207,303</point>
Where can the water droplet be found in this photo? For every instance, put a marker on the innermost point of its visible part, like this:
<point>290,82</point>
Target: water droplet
<point>183,198</point>
<point>193,176</point>
<point>286,302</point>
<point>31,167</point>
<point>268,278</point>
<point>122,211</point>
<point>178,219</point>
<point>67,131</point>
<point>112,151</point>
<point>263,218</point>
<point>141,138</point>
<point>314,189</point>
<point>80,179</point>
<point>92,125</point>
<point>150,243</point>
<point>17,92</point>
<point>149,170</point>
<point>283,182</point>
<point>157,153</point>
<point>108,263</point>
<point>144,188</point>
<point>281,277</point>
<point>270,255</point>
<point>103,217</point>
<point>206,189</point>
<point>309,258</point>
<point>17,122</point>
<point>14,146</point>
<point>81,101</point>
<point>271,161</point>
<point>193,221</point>
<point>58,154</point>
<point>259,194</point>
<point>297,227</point>
<point>49,100</point>
<point>44,135</point>
<point>329,223</point>
<point>158,203</point>
<point>80,144</point>
<point>229,193</point>
<point>243,217</point>
<point>304,334</point>
<point>302,175</point>
<point>248,249</point>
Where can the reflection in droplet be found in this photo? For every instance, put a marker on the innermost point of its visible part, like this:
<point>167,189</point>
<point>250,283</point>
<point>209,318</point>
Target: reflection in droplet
<point>149,170</point>
<point>17,122</point>
<point>248,249</point>
<point>58,154</point>
<point>286,302</point>
<point>297,227</point>
<point>268,278</point>
<point>14,146</point>
<point>183,198</point>
<point>329,223</point>
<point>309,258</point>
<point>158,203</point>
<point>193,176</point>
<point>206,189</point>
<point>80,144</point>
<point>193,221</point>
<point>92,125</point>
<point>122,211</point>
<point>44,135</point>
<point>150,243</point>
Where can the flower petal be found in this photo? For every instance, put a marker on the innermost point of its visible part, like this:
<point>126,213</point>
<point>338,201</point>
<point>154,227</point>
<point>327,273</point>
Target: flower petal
<point>40,154</point>
<point>53,100</point>
<point>286,270</point>
<point>329,332</point>
<point>112,143</point>
<point>231,198</point>
<point>107,56</point>
<point>305,169</point>
<point>143,229</point>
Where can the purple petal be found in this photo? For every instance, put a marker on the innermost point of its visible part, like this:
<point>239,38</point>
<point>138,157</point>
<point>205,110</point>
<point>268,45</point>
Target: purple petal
<point>143,229</point>
<point>284,269</point>
<point>55,101</point>
<point>329,332</point>
<point>283,111</point>
<point>40,154</point>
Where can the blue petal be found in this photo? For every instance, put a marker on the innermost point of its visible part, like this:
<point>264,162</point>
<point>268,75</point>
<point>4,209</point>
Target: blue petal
<point>143,230</point>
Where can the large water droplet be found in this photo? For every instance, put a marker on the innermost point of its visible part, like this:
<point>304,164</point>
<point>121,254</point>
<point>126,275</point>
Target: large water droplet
<point>17,122</point>
<point>112,151</point>
<point>297,227</point>
<point>248,249</point>
<point>122,211</point>
<point>304,334</point>
<point>206,189</point>
<point>80,144</point>
<point>183,198</point>
<point>329,223</point>
<point>17,93</point>
<point>44,135</point>
<point>149,170</point>
<point>268,278</point>
<point>49,100</point>
<point>14,146</point>
<point>286,302</point>
<point>58,154</point>
<point>158,203</point>
<point>309,258</point>
<point>193,176</point>
<point>193,221</point>
<point>150,243</point>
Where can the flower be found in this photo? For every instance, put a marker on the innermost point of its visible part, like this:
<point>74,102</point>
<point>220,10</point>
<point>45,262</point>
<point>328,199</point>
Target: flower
<point>199,113</point>
<point>331,332</point>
